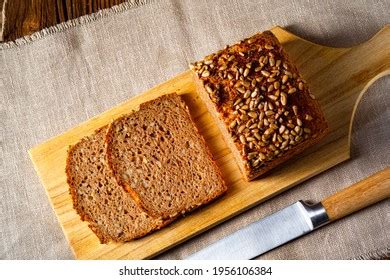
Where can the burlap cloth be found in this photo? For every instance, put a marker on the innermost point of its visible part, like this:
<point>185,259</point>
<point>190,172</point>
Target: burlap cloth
<point>64,75</point>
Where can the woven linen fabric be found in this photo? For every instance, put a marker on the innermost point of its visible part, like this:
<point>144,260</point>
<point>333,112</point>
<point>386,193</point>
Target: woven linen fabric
<point>61,76</point>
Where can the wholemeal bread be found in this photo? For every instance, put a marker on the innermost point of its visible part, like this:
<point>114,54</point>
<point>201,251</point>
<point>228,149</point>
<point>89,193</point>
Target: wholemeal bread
<point>260,102</point>
<point>111,212</point>
<point>158,156</point>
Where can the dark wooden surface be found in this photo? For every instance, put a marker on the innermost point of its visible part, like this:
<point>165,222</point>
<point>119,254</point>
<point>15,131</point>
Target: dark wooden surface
<point>24,17</point>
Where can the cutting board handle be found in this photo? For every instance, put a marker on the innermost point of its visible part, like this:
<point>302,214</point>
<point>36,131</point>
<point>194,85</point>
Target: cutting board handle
<point>371,58</point>
<point>358,196</point>
<point>361,66</point>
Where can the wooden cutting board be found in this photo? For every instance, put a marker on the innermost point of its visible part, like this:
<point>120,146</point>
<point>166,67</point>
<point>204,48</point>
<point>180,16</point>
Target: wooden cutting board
<point>337,77</point>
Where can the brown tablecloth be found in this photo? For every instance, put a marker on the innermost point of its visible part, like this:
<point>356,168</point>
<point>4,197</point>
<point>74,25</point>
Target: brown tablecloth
<point>64,75</point>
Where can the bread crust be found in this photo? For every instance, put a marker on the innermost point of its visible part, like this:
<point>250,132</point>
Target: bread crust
<point>219,92</point>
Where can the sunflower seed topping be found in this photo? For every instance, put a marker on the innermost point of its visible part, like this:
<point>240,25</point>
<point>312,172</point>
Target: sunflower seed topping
<point>257,92</point>
<point>292,90</point>
<point>265,73</point>
<point>233,124</point>
<point>205,73</point>
<point>253,115</point>
<point>241,89</point>
<point>308,117</point>
<point>283,99</point>
<point>208,89</point>
<point>246,72</point>
<point>295,109</point>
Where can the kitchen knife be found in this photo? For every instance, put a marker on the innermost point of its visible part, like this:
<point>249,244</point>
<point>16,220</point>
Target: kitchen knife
<point>296,220</point>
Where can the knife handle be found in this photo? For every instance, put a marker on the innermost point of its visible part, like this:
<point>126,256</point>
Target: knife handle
<point>358,196</point>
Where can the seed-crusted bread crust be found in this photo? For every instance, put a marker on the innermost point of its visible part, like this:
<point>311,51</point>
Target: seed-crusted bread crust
<point>159,157</point>
<point>261,104</point>
<point>110,211</point>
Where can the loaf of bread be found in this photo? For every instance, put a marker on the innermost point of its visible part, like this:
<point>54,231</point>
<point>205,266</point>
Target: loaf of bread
<point>260,102</point>
<point>160,159</point>
<point>111,212</point>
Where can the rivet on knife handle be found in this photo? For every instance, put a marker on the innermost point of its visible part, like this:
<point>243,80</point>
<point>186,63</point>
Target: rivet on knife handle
<point>358,196</point>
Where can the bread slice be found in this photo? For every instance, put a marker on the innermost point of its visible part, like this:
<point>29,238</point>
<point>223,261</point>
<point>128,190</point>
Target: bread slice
<point>111,212</point>
<point>158,156</point>
<point>260,102</point>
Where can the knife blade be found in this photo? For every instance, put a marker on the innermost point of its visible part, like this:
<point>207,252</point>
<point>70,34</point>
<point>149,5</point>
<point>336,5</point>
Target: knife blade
<point>296,220</point>
<point>266,234</point>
